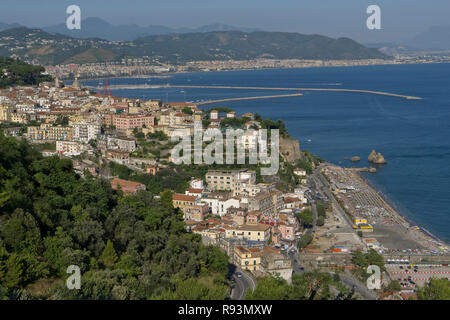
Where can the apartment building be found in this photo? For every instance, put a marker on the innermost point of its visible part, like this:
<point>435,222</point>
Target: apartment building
<point>219,205</point>
<point>191,207</point>
<point>129,121</point>
<point>121,143</point>
<point>262,202</point>
<point>249,232</point>
<point>50,133</point>
<point>247,258</point>
<point>275,263</point>
<point>86,131</point>
<point>69,147</point>
<point>228,179</point>
<point>245,189</point>
<point>119,156</point>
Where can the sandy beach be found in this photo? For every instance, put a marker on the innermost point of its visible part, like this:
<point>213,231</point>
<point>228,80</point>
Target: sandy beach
<point>393,231</point>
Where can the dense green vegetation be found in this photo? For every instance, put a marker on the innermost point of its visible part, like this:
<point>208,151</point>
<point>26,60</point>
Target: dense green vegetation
<point>321,213</point>
<point>437,289</point>
<point>363,260</point>
<point>234,122</point>
<point>308,162</point>
<point>304,241</point>
<point>20,73</point>
<point>133,247</point>
<point>308,286</point>
<point>305,217</point>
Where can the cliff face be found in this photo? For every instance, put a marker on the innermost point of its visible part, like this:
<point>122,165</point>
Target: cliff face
<point>290,150</point>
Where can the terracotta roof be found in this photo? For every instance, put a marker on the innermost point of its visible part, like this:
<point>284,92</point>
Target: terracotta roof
<point>125,183</point>
<point>194,190</point>
<point>183,197</point>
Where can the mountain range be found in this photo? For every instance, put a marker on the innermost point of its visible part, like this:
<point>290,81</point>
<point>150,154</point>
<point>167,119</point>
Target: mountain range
<point>99,28</point>
<point>53,48</point>
<point>434,38</point>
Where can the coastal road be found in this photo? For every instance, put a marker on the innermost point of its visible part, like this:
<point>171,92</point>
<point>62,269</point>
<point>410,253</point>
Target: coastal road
<point>349,281</point>
<point>323,185</point>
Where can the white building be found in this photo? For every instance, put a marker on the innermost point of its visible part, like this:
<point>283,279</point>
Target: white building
<point>220,206</point>
<point>196,183</point>
<point>69,147</point>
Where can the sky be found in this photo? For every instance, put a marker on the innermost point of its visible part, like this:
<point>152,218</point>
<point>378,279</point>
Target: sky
<point>400,19</point>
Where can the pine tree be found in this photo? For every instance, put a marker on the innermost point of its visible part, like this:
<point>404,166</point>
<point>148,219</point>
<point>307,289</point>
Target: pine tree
<point>109,255</point>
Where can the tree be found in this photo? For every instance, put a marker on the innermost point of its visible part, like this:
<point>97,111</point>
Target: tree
<point>109,255</point>
<point>15,270</point>
<point>166,198</point>
<point>187,110</point>
<point>192,289</point>
<point>268,288</point>
<point>44,196</point>
<point>93,143</point>
<point>304,241</point>
<point>305,217</point>
<point>437,289</point>
<point>394,286</point>
<point>320,221</point>
<point>54,251</point>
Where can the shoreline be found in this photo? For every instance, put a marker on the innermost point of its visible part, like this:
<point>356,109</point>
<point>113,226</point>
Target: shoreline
<point>408,221</point>
<point>170,74</point>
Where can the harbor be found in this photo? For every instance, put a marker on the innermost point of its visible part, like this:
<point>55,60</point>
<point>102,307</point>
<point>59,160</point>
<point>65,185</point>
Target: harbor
<point>147,86</point>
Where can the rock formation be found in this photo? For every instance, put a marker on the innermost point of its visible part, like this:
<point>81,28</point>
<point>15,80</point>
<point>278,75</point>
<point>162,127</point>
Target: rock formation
<point>290,149</point>
<point>377,158</point>
<point>356,159</point>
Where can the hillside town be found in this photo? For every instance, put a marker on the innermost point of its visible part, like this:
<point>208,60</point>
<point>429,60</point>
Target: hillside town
<point>229,209</point>
<point>260,224</point>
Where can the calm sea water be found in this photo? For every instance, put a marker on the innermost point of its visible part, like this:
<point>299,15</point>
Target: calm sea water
<point>414,136</point>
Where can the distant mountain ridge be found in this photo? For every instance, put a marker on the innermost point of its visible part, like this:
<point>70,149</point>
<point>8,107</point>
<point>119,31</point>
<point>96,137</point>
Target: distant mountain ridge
<point>434,38</point>
<point>243,46</point>
<point>52,48</point>
<point>5,26</point>
<point>99,28</point>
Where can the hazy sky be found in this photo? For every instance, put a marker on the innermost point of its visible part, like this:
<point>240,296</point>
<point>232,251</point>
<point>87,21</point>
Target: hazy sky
<point>400,19</point>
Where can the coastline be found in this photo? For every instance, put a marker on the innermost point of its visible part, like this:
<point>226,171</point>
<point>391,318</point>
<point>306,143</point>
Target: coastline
<point>170,74</point>
<point>408,223</point>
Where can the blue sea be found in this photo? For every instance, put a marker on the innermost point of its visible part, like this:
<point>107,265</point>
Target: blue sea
<point>413,136</point>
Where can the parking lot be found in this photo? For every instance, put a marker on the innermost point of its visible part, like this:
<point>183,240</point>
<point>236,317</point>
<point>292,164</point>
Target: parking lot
<point>411,277</point>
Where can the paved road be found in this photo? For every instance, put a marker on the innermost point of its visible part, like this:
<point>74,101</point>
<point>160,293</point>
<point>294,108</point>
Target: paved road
<point>323,186</point>
<point>348,280</point>
<point>241,284</point>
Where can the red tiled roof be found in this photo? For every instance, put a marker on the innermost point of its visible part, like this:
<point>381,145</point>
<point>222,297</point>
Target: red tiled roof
<point>183,197</point>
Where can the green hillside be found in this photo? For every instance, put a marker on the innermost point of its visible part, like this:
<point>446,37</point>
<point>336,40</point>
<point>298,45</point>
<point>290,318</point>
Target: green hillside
<point>15,72</point>
<point>177,49</point>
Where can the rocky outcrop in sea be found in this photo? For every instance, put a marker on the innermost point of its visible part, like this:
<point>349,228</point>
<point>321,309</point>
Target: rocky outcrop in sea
<point>376,158</point>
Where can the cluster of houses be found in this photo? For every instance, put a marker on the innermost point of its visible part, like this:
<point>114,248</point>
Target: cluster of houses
<point>73,116</point>
<point>250,220</point>
<point>253,222</point>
